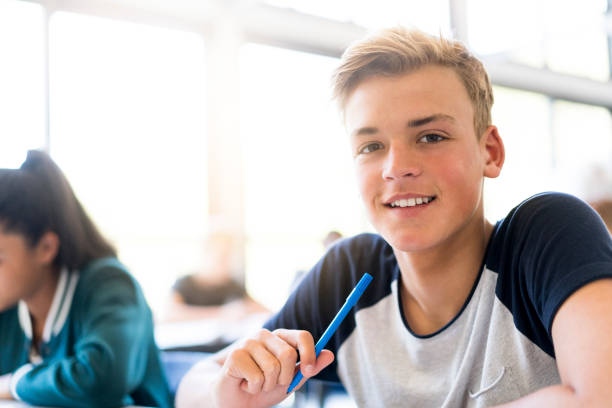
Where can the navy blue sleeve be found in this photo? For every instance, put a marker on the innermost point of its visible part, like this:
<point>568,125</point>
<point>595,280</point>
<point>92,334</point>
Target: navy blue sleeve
<point>546,249</point>
<point>316,300</point>
<point>311,305</point>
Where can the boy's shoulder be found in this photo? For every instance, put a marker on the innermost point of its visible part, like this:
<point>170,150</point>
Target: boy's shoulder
<point>357,254</point>
<point>344,264</point>
<point>547,247</point>
<point>364,245</point>
<point>544,216</point>
<point>543,203</point>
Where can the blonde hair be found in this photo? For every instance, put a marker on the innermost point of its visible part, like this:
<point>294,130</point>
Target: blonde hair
<point>399,51</point>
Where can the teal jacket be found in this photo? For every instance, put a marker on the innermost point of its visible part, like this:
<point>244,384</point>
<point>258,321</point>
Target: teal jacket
<point>97,346</point>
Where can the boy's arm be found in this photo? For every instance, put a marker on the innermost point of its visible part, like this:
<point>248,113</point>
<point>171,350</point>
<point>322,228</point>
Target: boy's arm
<point>253,373</point>
<point>582,336</point>
<point>256,372</point>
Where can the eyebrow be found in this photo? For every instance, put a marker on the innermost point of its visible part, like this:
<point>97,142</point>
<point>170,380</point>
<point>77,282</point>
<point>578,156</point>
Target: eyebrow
<point>428,119</point>
<point>413,123</point>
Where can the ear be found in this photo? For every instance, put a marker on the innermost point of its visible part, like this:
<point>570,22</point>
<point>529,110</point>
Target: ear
<point>47,248</point>
<point>493,152</point>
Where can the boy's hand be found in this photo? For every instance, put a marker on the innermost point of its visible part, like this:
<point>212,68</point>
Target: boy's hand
<point>5,387</point>
<point>258,372</point>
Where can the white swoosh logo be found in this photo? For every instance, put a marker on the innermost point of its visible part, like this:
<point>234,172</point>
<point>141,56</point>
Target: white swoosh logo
<point>489,387</point>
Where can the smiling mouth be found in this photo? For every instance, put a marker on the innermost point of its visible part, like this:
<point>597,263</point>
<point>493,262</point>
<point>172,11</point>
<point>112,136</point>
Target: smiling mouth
<point>410,202</point>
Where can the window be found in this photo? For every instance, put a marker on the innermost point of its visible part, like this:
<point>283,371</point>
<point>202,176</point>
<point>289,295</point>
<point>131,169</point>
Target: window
<point>431,16</point>
<point>22,81</point>
<point>298,178</point>
<point>523,121</point>
<point>127,109</point>
<point>550,145</point>
<point>548,34</point>
<point>583,143</point>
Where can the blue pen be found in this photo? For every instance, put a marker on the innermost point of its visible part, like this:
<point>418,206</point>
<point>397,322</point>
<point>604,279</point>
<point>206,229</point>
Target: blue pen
<point>331,329</point>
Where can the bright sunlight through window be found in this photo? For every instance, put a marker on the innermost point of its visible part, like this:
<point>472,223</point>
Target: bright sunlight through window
<point>22,86</point>
<point>298,167</point>
<point>127,128</point>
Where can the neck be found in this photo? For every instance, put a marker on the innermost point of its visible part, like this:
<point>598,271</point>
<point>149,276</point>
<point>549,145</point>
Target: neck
<point>39,302</point>
<point>437,282</point>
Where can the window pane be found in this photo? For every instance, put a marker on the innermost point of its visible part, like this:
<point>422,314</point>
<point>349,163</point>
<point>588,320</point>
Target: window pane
<point>583,142</point>
<point>431,16</point>
<point>127,127</point>
<point>568,37</point>
<point>22,95</point>
<point>576,38</point>
<point>298,167</point>
<point>522,119</point>
<point>550,145</point>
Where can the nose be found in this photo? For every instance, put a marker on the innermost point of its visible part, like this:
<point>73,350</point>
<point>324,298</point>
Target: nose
<point>401,161</point>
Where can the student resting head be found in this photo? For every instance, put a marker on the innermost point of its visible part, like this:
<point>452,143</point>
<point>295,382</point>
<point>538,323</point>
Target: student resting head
<point>75,329</point>
<point>461,312</point>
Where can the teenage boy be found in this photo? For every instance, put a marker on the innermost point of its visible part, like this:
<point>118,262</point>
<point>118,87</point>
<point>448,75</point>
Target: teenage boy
<point>461,312</point>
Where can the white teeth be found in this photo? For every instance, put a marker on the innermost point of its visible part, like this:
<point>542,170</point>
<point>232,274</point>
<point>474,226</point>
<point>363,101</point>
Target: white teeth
<point>411,202</point>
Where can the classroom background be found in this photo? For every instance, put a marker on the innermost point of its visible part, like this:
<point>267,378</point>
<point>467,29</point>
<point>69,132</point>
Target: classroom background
<point>169,117</point>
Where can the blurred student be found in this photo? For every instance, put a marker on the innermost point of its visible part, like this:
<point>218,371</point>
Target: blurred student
<point>595,187</point>
<point>213,291</point>
<point>461,312</point>
<point>329,239</point>
<point>75,329</point>
<point>604,209</point>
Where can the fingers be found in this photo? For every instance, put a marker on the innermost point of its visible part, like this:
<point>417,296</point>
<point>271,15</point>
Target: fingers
<point>240,366</point>
<point>286,355</point>
<point>268,359</point>
<point>304,343</point>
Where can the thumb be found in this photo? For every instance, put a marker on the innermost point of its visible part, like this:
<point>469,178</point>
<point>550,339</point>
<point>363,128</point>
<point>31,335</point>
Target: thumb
<point>325,358</point>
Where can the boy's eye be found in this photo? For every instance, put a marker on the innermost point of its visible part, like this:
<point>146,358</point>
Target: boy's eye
<point>370,147</point>
<point>431,138</point>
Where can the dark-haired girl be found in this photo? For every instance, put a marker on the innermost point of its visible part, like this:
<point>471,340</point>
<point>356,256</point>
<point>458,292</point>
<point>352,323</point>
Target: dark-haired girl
<point>75,329</point>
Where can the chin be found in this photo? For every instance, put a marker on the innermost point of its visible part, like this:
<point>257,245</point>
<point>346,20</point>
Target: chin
<point>408,243</point>
<point>6,305</point>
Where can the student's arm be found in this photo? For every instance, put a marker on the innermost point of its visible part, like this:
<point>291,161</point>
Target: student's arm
<point>582,336</point>
<point>5,387</point>
<point>253,373</point>
<point>110,353</point>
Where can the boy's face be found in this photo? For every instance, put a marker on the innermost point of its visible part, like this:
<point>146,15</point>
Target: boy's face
<point>419,163</point>
<point>19,269</point>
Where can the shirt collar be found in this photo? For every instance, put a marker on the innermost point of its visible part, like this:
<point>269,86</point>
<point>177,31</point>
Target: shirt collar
<point>58,312</point>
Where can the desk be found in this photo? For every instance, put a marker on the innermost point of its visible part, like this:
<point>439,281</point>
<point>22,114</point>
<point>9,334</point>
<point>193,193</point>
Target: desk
<point>17,404</point>
<point>185,343</point>
<point>205,335</point>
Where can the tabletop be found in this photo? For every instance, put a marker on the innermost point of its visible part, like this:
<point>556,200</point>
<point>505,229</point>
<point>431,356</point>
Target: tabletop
<point>17,404</point>
<point>200,335</point>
